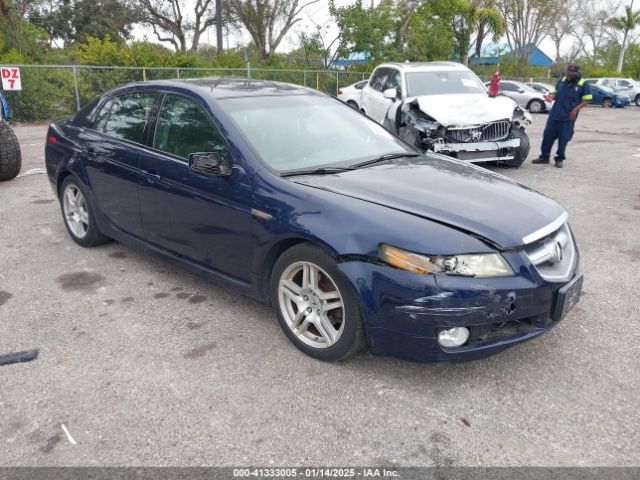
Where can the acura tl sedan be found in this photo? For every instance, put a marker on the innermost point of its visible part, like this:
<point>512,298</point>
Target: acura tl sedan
<point>294,198</point>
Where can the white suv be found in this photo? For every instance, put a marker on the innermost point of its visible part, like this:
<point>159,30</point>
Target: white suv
<point>444,107</point>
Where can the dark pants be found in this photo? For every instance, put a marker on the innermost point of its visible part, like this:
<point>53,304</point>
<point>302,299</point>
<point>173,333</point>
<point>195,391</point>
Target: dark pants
<point>556,130</point>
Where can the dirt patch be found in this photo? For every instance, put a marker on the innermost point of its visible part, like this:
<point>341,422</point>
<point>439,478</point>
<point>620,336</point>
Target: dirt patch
<point>127,299</point>
<point>4,296</point>
<point>87,282</point>
<point>197,299</point>
<point>44,201</point>
<point>200,351</point>
<point>51,443</point>
<point>160,295</point>
<point>118,255</point>
<point>183,295</point>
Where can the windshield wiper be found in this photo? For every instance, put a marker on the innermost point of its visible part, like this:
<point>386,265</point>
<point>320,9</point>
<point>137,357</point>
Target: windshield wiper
<point>385,157</point>
<point>317,171</point>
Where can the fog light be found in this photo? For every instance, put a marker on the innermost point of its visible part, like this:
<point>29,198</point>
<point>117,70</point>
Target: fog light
<point>453,337</point>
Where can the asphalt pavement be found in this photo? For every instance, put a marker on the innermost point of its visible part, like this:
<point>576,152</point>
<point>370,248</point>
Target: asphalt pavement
<point>147,364</point>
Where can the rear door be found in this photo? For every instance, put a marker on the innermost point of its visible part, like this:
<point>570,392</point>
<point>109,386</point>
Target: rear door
<point>512,90</point>
<point>203,217</point>
<point>112,147</point>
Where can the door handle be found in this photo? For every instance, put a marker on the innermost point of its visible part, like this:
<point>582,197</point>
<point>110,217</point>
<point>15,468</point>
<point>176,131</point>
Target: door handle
<point>152,176</point>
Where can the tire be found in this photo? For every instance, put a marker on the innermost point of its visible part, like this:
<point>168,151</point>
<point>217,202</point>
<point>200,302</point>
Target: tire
<point>637,101</point>
<point>78,215</point>
<point>536,106</point>
<point>353,104</point>
<point>10,155</point>
<point>607,103</point>
<point>297,304</point>
<point>522,154</point>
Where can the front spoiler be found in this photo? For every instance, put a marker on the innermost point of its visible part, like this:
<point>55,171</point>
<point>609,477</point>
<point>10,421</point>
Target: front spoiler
<point>480,151</point>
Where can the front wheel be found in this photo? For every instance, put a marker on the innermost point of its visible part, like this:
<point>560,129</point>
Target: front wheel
<point>522,153</point>
<point>315,304</point>
<point>607,103</point>
<point>637,101</point>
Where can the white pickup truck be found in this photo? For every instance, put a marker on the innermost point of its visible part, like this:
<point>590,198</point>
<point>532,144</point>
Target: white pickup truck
<point>444,107</point>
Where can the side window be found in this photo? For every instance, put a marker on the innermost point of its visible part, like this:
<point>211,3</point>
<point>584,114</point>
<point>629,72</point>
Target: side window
<point>125,116</point>
<point>625,84</point>
<point>507,87</point>
<point>183,127</point>
<point>394,80</point>
<point>379,79</point>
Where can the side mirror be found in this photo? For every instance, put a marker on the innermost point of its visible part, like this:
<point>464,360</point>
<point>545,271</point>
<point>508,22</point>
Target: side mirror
<point>390,93</point>
<point>209,163</point>
<point>521,90</point>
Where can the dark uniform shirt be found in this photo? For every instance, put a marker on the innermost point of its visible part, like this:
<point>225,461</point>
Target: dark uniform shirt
<point>569,94</point>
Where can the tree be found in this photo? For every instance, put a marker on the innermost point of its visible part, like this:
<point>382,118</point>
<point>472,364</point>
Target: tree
<point>591,26</point>
<point>563,25</point>
<point>173,22</point>
<point>73,20</point>
<point>625,24</point>
<point>528,23</point>
<point>364,29</point>
<point>268,21</point>
<point>479,17</point>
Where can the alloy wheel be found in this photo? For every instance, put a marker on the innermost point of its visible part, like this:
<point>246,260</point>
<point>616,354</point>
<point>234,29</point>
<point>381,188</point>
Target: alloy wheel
<point>76,213</point>
<point>311,304</point>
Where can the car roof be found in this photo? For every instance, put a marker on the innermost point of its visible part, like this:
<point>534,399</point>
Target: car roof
<point>425,66</point>
<point>229,87</point>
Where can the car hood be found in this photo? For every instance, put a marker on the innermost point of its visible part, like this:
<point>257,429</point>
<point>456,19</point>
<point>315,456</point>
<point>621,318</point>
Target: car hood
<point>450,192</point>
<point>466,109</point>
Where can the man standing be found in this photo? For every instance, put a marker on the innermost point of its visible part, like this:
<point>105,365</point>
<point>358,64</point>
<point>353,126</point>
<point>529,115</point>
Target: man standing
<point>572,94</point>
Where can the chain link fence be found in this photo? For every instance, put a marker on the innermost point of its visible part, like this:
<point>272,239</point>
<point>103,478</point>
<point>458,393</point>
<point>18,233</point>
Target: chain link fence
<point>52,91</point>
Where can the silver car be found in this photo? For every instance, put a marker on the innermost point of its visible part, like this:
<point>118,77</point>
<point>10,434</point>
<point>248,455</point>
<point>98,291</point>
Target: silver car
<point>525,96</point>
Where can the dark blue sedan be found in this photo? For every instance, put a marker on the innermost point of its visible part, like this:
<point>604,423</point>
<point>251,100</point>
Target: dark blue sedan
<point>607,98</point>
<point>355,238</point>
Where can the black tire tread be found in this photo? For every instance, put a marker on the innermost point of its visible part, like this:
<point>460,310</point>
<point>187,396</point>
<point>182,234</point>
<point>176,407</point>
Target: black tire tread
<point>10,154</point>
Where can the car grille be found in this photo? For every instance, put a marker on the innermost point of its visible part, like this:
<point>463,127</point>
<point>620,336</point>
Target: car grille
<point>489,132</point>
<point>554,256</point>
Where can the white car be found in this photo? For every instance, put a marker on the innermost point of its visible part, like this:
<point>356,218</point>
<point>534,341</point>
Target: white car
<point>444,107</point>
<point>352,94</point>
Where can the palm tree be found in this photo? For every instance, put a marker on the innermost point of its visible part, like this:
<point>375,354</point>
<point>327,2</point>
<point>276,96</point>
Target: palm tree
<point>479,17</point>
<point>625,24</point>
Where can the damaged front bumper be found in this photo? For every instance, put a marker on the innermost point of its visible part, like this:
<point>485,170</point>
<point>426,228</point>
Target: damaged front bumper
<point>404,312</point>
<point>480,151</point>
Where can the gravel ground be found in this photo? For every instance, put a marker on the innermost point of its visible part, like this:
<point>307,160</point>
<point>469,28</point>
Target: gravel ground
<point>147,364</point>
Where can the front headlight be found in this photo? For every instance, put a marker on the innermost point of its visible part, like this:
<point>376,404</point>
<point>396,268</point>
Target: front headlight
<point>467,265</point>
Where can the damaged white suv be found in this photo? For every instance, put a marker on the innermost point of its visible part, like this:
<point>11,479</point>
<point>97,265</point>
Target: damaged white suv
<point>444,107</point>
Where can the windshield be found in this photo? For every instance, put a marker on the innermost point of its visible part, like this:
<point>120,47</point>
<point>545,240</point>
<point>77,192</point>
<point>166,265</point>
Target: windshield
<point>442,83</point>
<point>302,132</point>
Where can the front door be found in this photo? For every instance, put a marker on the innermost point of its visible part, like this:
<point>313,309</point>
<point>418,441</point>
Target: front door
<point>204,217</point>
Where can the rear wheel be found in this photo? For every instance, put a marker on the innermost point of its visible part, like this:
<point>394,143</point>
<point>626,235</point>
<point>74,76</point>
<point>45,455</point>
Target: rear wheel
<point>78,215</point>
<point>536,106</point>
<point>607,103</point>
<point>315,304</point>
<point>353,104</point>
<point>10,155</point>
<point>637,101</point>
